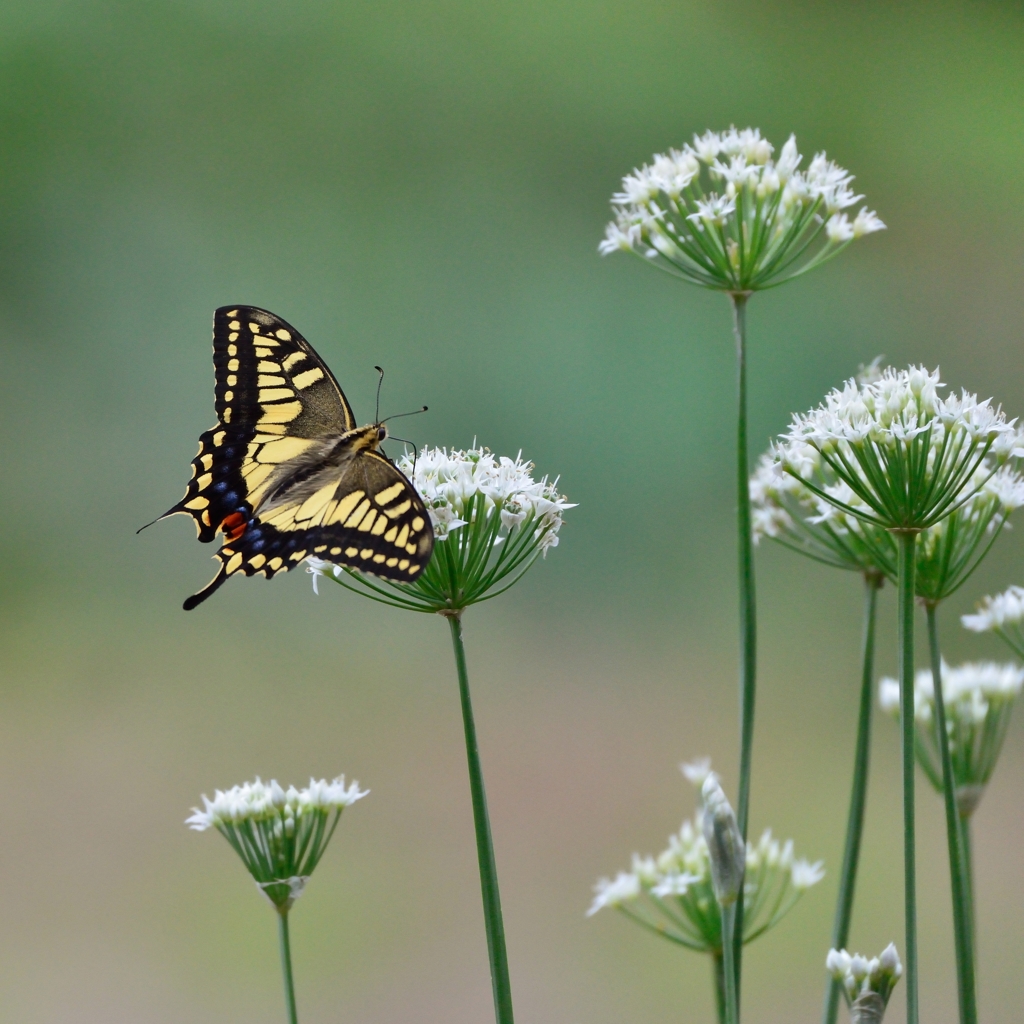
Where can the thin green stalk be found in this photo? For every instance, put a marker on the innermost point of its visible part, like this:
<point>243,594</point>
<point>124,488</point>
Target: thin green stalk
<point>732,1010</point>
<point>907,540</point>
<point>748,621</point>
<point>286,966</point>
<point>718,966</point>
<point>858,796</point>
<point>968,873</point>
<point>962,936</point>
<point>484,845</point>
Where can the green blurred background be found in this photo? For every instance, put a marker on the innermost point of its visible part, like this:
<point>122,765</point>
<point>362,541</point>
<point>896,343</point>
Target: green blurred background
<point>423,186</point>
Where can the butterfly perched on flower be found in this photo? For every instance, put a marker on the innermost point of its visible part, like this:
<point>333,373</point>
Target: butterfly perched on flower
<point>286,473</point>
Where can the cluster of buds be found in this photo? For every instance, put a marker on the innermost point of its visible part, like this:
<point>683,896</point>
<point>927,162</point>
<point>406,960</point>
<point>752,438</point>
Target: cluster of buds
<point>280,834</point>
<point>492,519</point>
<point>679,893</point>
<point>978,699</point>
<point>722,213</point>
<point>866,984</point>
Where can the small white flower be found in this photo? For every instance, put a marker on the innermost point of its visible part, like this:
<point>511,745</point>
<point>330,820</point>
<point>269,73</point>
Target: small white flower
<point>889,696</point>
<point>638,188</point>
<point>675,885</point>
<point>619,235</point>
<point>839,229</point>
<point>713,210</point>
<point>696,771</point>
<point>866,222</point>
<point>612,893</point>
<point>1005,609</point>
<point>707,146</point>
<point>789,160</point>
<point>870,373</point>
<point>805,874</point>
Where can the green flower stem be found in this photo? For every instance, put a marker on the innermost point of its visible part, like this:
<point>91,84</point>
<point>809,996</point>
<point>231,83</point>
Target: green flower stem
<point>732,1010</point>
<point>967,865</point>
<point>962,928</point>
<point>718,964</point>
<point>907,541</point>
<point>748,621</point>
<point>286,965</point>
<point>484,845</point>
<point>858,797</point>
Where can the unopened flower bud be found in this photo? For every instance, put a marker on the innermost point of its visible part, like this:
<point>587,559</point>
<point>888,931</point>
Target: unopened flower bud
<point>725,844</point>
<point>867,984</point>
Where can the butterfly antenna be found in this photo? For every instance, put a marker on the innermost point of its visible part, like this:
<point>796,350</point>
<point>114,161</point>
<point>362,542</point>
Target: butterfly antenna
<point>376,413</point>
<point>399,415</point>
<point>415,451</point>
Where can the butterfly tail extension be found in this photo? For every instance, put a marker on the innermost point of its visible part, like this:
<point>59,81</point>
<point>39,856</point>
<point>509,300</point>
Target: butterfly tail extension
<point>202,595</point>
<point>153,522</point>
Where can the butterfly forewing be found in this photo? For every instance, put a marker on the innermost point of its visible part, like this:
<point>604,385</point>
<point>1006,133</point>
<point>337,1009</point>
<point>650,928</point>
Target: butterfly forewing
<point>286,473</point>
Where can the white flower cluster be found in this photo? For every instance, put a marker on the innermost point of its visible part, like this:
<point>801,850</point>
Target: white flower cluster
<point>860,976</point>
<point>893,452</point>
<point>897,407</point>
<point>996,613</point>
<point>967,690</point>
<point>785,509</point>
<point>674,891</point>
<point>264,801</point>
<point>749,224</point>
<point>978,699</point>
<point>449,481</point>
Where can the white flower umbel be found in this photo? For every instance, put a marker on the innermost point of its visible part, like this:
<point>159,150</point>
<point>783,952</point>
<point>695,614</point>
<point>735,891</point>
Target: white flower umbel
<point>788,511</point>
<point>896,454</point>
<point>726,214</point>
<point>866,984</point>
<point>673,893</point>
<point>280,834</point>
<point>492,519</point>
<point>1002,615</point>
<point>979,698</point>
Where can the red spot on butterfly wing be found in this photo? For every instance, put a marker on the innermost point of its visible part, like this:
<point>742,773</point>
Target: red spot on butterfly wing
<point>233,526</point>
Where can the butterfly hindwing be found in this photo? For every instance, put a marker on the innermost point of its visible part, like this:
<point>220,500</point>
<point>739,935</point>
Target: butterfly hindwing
<point>286,473</point>
<point>370,518</point>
